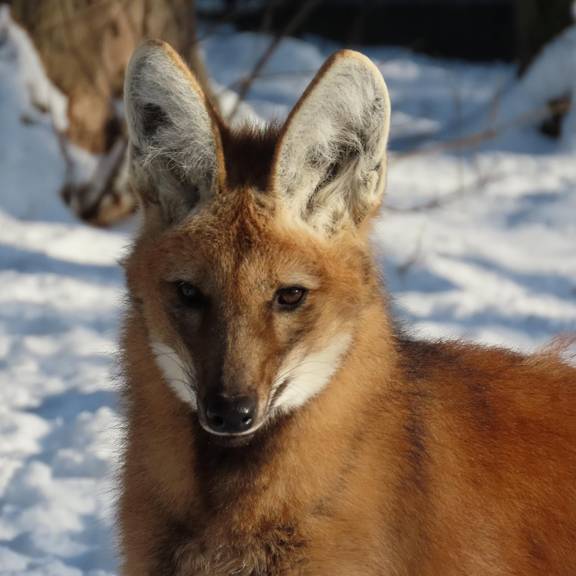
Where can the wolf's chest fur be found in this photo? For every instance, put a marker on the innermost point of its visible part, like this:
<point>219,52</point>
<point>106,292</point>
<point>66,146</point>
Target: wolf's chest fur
<point>234,533</point>
<point>275,550</point>
<point>246,523</point>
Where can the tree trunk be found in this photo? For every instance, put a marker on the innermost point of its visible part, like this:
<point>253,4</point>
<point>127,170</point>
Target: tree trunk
<point>85,46</point>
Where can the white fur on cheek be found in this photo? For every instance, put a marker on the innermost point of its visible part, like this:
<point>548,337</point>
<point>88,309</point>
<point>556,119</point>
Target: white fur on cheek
<point>309,374</point>
<point>179,376</point>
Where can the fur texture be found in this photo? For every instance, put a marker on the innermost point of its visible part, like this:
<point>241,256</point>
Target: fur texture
<point>370,454</point>
<point>304,375</point>
<point>173,146</point>
<point>331,158</point>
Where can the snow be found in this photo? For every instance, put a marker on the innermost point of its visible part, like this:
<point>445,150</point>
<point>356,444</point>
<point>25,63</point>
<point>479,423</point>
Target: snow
<point>477,244</point>
<point>552,76</point>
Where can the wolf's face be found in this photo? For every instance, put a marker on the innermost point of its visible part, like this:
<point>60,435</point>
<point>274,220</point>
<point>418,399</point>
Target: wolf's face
<point>252,268</point>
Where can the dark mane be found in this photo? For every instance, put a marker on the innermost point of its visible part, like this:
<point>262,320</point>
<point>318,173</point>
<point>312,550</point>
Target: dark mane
<point>248,154</point>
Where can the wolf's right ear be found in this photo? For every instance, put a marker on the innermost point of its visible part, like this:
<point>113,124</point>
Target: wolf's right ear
<point>175,152</point>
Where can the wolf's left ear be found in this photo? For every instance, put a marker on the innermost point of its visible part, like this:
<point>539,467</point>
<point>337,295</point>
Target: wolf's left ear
<point>330,163</point>
<point>175,150</point>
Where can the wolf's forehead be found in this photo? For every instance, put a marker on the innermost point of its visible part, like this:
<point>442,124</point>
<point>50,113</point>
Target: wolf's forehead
<point>245,246</point>
<point>230,234</point>
<point>237,218</point>
<point>248,155</point>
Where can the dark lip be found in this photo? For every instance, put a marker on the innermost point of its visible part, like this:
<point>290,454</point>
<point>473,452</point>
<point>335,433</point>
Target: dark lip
<point>248,441</point>
<point>227,440</point>
<point>231,441</point>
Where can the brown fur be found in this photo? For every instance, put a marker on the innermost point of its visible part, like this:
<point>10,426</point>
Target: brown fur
<point>418,459</point>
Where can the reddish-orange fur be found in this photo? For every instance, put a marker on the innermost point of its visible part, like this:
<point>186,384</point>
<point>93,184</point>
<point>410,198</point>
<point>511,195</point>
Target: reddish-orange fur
<point>418,459</point>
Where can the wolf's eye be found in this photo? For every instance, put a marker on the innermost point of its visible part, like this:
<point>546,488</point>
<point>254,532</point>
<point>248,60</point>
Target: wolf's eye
<point>290,297</point>
<point>190,295</point>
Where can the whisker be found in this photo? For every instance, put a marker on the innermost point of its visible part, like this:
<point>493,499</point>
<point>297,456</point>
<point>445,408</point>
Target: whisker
<point>279,379</point>
<point>172,356</point>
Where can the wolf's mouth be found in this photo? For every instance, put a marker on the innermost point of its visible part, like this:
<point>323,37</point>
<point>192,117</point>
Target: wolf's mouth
<point>228,438</point>
<point>232,441</point>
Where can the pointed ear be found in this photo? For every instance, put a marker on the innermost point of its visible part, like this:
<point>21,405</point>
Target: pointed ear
<point>175,151</point>
<point>330,163</point>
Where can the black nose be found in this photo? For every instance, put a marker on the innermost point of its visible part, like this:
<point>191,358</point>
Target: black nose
<point>230,415</point>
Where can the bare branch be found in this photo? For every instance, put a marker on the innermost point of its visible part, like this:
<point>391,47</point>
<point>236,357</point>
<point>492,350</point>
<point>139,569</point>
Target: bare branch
<point>290,27</point>
<point>481,182</point>
<point>471,140</point>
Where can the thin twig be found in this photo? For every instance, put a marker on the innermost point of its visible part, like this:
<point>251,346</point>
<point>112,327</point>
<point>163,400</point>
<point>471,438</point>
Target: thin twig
<point>268,76</point>
<point>471,140</point>
<point>413,259</point>
<point>446,199</point>
<point>88,199</point>
<point>266,24</point>
<point>68,163</point>
<point>290,27</point>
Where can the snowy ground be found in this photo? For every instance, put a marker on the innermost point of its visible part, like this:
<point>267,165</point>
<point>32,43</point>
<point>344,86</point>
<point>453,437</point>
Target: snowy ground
<point>479,245</point>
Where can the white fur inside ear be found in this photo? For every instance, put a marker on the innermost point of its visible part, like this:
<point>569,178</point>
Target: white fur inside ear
<point>180,376</point>
<point>331,160</point>
<point>307,374</point>
<point>173,147</point>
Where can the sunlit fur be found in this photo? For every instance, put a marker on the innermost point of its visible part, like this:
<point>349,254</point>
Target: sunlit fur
<point>374,455</point>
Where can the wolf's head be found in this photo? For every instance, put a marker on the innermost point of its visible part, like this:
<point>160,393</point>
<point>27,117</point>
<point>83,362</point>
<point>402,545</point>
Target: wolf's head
<point>252,270</point>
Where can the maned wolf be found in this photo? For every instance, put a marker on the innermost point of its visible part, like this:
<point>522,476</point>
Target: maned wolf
<point>277,422</point>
